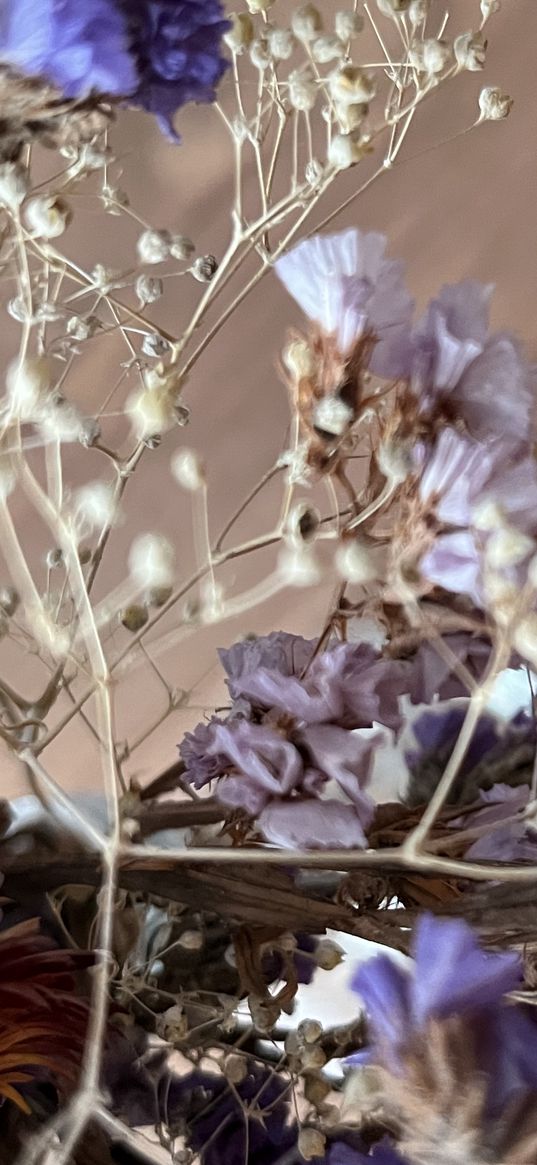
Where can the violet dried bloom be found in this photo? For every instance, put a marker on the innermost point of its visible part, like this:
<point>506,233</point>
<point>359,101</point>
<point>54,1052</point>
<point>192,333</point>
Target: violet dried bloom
<point>159,54</point>
<point>286,654</point>
<point>456,365</point>
<point>514,841</point>
<point>452,977</point>
<point>344,284</point>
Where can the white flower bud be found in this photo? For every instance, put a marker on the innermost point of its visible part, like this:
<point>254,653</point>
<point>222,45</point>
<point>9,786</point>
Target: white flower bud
<point>392,7</point>
<point>103,277</point>
<point>182,247</point>
<point>309,1031</point>
<point>348,25</point>
<point>418,12</point>
<point>344,151</point>
<point>311,1143</point>
<point>259,5</point>
<point>351,85</point>
<point>327,48</point>
<point>470,51</point>
<point>313,172</point>
<point>83,328</point>
<point>431,56</point>
<point>394,461</point>
<point>148,289</point>
<point>47,216</point>
<point>298,566</point>
<point>60,420</point>
<point>241,34</point>
<point>154,246</point>
<point>306,22</point>
<point>17,309</point>
<point>204,268</point>
<point>316,1089</point>
<point>281,43</point>
<point>155,345</point>
<point>151,561</point>
<point>259,53</point>
<point>525,638</point>
<point>299,359</point>
<point>488,515</point>
<point>508,547</point>
<point>302,91</point>
<point>14,185</point>
<point>95,505</point>
<point>354,563</point>
<point>489,8</point>
<point>191,940</point>
<point>328,954</point>
<point>28,384</point>
<point>235,1068</point>
<point>172,1025</point>
<point>493,104</point>
<point>303,522</point>
<point>9,600</point>
<point>188,470</point>
<point>332,415</point>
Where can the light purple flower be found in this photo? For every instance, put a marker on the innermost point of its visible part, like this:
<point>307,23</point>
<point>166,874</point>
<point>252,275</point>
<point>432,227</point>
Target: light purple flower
<point>481,378</point>
<point>281,652</point>
<point>262,763</point>
<point>344,284</point>
<point>312,824</point>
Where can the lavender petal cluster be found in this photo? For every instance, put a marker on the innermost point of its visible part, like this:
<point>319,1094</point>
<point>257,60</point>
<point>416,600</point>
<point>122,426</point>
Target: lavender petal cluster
<point>291,752</point>
<point>160,54</point>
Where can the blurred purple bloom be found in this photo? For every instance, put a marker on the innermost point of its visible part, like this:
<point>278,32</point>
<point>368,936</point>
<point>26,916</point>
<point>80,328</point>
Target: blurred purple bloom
<point>431,675</point>
<point>451,976</point>
<point>80,47</point>
<point>344,284</point>
<point>483,379</point>
<point>515,841</point>
<point>159,53</point>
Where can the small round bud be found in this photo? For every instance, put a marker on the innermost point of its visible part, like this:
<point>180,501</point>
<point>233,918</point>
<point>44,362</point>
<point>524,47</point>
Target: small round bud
<point>84,555</point>
<point>311,1143</point>
<point>328,954</point>
<point>188,470</point>
<point>489,8</point>
<point>394,461</point>
<point>281,43</point>
<point>148,289</point>
<point>9,600</point>
<point>47,216</point>
<point>182,247</point>
<point>235,1068</point>
<point>331,415</point>
<point>28,383</point>
<point>508,547</point>
<point>299,359</point>
<point>314,172</point>
<point>309,1031</point>
<point>303,522</point>
<point>525,638</point>
<point>134,617</point>
<point>54,558</point>
<point>204,268</point>
<point>302,90</point>
<point>493,104</point>
<point>95,505</point>
<point>83,328</point>
<point>17,309</point>
<point>155,346</point>
<point>172,1025</point>
<point>344,151</point>
<point>292,1044</point>
<point>259,5</point>
<point>431,56</point>
<point>351,85</point>
<point>241,34</point>
<point>316,1089</point>
<point>14,185</point>
<point>393,7</point>
<point>151,561</point>
<point>259,53</point>
<point>158,596</point>
<point>191,940</point>
<point>354,563</point>
<point>306,22</point>
<point>418,12</point>
<point>312,1058</point>
<point>154,246</point>
<point>89,432</point>
<point>348,25</point>
<point>470,51</point>
<point>327,48</point>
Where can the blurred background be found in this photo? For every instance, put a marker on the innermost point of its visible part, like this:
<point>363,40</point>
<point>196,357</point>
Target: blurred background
<point>466,208</point>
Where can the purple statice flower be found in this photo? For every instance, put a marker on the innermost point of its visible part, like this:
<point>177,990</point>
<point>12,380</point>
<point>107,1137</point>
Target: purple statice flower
<point>452,978</point>
<point>459,368</point>
<point>177,44</point>
<point>432,675</point>
<point>80,47</point>
<point>160,54</point>
<point>514,841</point>
<point>345,285</point>
<point>287,654</point>
<point>495,748</point>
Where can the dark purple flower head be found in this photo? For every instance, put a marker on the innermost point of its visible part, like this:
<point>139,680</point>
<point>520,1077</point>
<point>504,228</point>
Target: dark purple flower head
<point>159,54</point>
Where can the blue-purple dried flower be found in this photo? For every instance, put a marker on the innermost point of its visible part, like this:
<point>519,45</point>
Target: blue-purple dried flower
<point>160,54</point>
